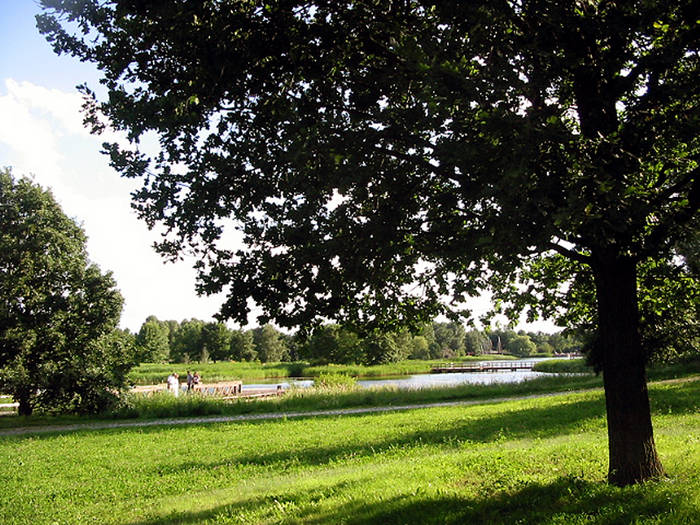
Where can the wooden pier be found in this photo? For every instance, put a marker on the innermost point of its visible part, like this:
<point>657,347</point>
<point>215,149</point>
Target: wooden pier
<point>483,366</point>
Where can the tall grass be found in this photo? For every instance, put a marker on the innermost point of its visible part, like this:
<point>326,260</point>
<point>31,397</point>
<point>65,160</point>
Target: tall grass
<point>654,371</point>
<point>563,366</point>
<point>154,373</point>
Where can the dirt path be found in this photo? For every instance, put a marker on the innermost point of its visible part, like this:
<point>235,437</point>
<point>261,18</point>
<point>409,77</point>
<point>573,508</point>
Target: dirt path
<point>255,417</point>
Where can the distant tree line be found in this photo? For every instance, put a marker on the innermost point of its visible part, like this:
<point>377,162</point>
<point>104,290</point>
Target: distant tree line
<point>195,340</point>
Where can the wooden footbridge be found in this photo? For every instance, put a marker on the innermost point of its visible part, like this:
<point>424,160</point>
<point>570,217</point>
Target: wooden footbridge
<point>483,366</point>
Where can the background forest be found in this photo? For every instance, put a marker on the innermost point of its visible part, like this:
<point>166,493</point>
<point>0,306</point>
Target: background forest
<point>195,340</point>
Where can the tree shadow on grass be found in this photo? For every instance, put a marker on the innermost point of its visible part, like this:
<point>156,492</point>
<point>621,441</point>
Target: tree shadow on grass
<point>535,422</point>
<point>262,507</point>
<point>566,500</point>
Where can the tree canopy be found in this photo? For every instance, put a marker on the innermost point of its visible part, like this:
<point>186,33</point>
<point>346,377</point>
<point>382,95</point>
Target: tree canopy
<point>58,311</point>
<point>381,158</point>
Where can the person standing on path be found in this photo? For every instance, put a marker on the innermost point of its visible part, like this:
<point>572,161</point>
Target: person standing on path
<point>174,384</point>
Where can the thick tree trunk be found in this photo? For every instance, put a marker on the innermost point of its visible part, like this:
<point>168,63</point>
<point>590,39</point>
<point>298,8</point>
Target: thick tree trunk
<point>632,452</point>
<point>25,408</point>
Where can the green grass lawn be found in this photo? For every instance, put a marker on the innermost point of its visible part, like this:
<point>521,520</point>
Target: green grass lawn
<point>531,461</point>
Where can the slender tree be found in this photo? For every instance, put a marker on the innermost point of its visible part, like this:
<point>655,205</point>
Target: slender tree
<point>378,156</point>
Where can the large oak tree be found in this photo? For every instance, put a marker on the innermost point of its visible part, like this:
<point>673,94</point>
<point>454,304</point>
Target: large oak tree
<point>379,156</point>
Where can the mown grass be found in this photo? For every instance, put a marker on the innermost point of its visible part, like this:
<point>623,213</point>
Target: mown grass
<point>531,461</point>
<point>154,373</point>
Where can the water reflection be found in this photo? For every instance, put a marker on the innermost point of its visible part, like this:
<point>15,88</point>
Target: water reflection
<point>474,378</point>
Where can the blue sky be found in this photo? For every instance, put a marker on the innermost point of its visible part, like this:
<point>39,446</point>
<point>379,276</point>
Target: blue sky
<point>41,135</point>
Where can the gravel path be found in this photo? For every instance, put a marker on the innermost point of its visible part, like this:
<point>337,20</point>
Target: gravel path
<point>255,417</point>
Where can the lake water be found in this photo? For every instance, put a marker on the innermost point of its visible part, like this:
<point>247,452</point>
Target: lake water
<point>423,380</point>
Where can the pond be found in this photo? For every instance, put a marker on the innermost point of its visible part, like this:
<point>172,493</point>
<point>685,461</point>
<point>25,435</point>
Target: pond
<point>422,380</point>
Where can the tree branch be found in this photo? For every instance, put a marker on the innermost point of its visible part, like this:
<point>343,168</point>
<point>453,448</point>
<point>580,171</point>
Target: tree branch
<point>570,254</point>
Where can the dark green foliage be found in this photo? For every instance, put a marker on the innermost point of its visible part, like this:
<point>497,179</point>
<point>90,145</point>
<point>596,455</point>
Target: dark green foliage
<point>380,158</point>
<point>449,338</point>
<point>242,347</point>
<point>186,343</point>
<point>476,343</point>
<point>152,341</point>
<point>668,298</point>
<point>269,344</point>
<point>521,345</point>
<point>58,312</point>
<point>333,344</point>
<point>380,347</point>
<point>216,338</point>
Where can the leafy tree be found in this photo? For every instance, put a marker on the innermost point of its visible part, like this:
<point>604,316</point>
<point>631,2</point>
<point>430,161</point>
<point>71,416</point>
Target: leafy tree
<point>217,339</point>
<point>420,349</point>
<point>450,338</point>
<point>476,342</point>
<point>88,383</point>
<point>427,331</point>
<point>403,342</point>
<point>187,342</point>
<point>268,344</point>
<point>544,348</point>
<point>242,347</point>
<point>58,311</point>
<point>668,296</point>
<point>173,327</point>
<point>521,345</point>
<point>332,343</point>
<point>362,148</point>
<point>500,338</point>
<point>152,341</point>
<point>381,347</point>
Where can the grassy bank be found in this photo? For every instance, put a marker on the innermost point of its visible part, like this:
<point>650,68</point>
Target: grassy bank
<point>532,461</point>
<point>154,373</point>
<point>654,372</point>
<point>165,405</point>
<point>563,366</point>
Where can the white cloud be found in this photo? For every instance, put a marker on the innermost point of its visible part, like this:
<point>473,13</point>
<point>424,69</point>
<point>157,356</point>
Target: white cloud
<point>42,135</point>
<point>30,137</point>
<point>61,107</point>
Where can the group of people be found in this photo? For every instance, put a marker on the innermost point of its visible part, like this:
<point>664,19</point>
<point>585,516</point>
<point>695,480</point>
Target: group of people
<point>173,382</point>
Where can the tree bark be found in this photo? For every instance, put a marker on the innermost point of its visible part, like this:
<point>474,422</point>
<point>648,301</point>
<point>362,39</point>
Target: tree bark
<point>25,407</point>
<point>632,452</point>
